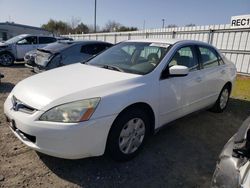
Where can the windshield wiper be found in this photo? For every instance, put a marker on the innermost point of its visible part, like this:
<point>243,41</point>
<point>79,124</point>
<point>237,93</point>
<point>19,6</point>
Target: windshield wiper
<point>112,67</point>
<point>87,60</point>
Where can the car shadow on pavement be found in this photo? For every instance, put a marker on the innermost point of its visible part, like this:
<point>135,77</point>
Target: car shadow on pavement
<point>183,154</point>
<point>6,87</point>
<point>16,65</point>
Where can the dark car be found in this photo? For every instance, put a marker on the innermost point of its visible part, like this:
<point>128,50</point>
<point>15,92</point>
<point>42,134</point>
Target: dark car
<point>233,167</point>
<point>65,53</point>
<point>29,58</point>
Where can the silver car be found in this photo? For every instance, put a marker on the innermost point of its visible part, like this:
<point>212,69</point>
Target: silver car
<point>233,167</point>
<point>15,48</point>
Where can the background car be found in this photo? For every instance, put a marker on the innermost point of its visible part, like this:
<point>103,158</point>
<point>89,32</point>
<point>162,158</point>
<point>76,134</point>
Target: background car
<point>15,48</point>
<point>65,53</point>
<point>116,100</point>
<point>29,58</point>
<point>233,167</point>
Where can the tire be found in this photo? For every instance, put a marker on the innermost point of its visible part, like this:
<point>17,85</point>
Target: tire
<point>6,59</point>
<point>128,134</point>
<point>222,101</point>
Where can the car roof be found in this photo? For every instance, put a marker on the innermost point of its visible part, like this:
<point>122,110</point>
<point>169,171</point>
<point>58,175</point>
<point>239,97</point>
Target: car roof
<point>168,41</point>
<point>155,40</point>
<point>83,42</point>
<point>62,45</point>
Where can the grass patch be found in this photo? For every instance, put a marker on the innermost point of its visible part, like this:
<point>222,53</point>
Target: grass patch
<point>241,88</point>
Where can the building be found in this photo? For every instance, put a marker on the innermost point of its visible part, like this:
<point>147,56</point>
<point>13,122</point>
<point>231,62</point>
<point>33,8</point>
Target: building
<point>11,29</point>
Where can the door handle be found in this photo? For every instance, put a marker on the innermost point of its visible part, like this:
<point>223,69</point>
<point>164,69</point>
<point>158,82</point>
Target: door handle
<point>198,79</point>
<point>223,72</point>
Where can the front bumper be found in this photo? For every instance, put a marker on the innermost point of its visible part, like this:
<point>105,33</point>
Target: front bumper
<point>71,141</point>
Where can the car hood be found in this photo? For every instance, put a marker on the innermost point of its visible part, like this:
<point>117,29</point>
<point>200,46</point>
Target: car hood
<point>69,83</point>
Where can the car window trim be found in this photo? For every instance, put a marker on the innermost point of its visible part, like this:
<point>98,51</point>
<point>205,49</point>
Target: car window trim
<point>199,54</point>
<point>38,39</point>
<point>219,58</point>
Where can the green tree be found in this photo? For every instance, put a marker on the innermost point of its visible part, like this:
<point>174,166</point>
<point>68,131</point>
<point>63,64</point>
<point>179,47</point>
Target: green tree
<point>124,28</point>
<point>113,26</point>
<point>190,25</point>
<point>57,27</point>
<point>81,28</point>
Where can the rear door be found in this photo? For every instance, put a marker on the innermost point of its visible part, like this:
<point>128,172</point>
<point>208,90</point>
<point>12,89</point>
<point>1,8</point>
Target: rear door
<point>25,45</point>
<point>212,71</point>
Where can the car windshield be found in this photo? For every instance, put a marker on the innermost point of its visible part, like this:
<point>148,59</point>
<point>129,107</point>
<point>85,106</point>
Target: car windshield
<point>14,39</point>
<point>131,57</point>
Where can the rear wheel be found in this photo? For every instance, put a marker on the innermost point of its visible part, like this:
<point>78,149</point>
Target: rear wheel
<point>222,100</point>
<point>6,59</point>
<point>128,134</point>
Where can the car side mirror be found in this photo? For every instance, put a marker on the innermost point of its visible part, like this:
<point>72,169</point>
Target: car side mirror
<point>178,70</point>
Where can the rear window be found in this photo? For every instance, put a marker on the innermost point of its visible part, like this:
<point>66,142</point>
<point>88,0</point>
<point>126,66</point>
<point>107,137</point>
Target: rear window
<point>93,49</point>
<point>57,46</point>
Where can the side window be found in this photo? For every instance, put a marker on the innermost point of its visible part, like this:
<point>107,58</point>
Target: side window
<point>88,49</point>
<point>102,47</point>
<point>28,41</point>
<point>46,40</point>
<point>93,49</point>
<point>208,57</point>
<point>185,56</point>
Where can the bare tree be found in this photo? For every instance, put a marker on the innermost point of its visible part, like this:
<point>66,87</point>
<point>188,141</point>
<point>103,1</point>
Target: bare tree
<point>112,26</point>
<point>92,29</point>
<point>74,22</point>
<point>190,25</point>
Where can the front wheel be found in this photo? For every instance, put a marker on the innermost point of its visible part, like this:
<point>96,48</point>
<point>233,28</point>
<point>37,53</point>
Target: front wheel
<point>6,59</point>
<point>128,134</point>
<point>222,100</point>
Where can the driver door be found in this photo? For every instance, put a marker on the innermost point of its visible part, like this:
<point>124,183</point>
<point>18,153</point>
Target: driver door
<point>25,45</point>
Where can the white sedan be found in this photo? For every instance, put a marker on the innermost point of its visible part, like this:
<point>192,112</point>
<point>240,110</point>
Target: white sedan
<point>116,100</point>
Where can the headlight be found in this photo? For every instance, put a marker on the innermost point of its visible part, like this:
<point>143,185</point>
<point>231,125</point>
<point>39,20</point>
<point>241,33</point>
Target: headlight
<point>71,112</point>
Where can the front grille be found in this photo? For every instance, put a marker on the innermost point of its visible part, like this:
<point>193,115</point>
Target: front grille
<point>20,106</point>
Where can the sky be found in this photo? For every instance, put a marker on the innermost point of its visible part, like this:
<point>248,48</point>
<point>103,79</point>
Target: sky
<point>127,12</point>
